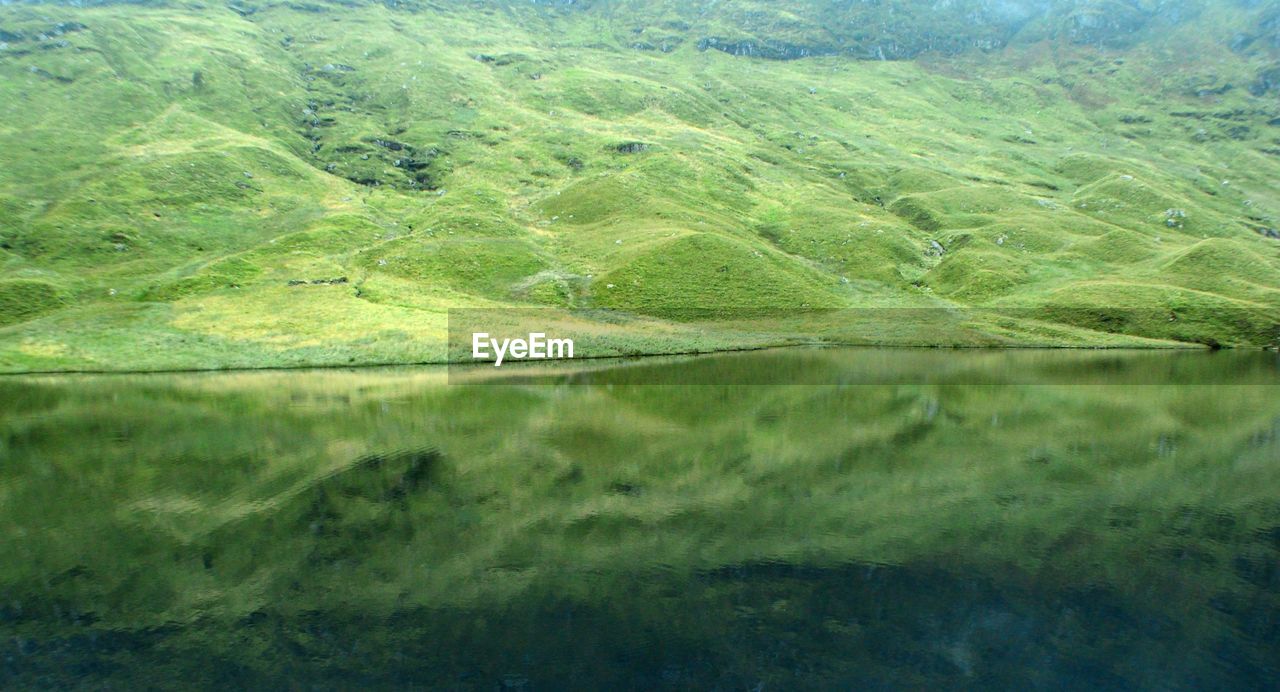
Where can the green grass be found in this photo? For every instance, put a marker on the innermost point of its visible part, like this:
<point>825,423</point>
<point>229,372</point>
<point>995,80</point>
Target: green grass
<point>23,299</point>
<point>168,170</point>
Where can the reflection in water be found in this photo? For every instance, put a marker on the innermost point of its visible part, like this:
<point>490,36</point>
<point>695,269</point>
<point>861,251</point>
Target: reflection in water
<point>384,528</point>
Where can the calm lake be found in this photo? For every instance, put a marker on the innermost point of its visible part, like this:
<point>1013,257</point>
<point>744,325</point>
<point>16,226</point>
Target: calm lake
<point>778,520</point>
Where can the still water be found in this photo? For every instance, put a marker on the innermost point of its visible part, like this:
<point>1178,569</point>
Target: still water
<point>1029,525</point>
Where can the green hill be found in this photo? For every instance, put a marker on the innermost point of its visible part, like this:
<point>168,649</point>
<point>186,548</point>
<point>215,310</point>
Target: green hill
<point>285,183</point>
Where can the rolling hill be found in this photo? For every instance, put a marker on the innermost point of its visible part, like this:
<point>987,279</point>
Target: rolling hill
<point>192,185</point>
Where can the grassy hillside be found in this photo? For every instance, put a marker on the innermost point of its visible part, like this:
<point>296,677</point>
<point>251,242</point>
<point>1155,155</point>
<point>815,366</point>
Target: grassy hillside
<point>309,183</point>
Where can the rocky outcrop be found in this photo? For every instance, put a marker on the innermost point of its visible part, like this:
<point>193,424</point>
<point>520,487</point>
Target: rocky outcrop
<point>1268,81</point>
<point>1263,35</point>
<point>334,89</point>
<point>318,282</point>
<point>772,50</point>
<point>887,29</point>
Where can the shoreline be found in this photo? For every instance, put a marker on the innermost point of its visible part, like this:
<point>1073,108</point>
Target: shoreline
<point>1172,346</point>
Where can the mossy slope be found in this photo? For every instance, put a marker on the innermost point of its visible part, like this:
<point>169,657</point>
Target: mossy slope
<point>174,174</point>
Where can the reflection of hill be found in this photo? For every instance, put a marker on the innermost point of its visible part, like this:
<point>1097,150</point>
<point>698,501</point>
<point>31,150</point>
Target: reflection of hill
<point>360,526</point>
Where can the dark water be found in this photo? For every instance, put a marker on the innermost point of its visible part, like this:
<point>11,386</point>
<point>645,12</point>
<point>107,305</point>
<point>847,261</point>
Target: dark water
<point>386,529</point>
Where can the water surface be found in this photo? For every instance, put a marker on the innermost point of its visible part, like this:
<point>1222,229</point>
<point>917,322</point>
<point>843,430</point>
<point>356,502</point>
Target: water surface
<point>1017,522</point>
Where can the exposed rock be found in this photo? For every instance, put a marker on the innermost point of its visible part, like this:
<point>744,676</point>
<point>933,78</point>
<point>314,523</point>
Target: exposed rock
<point>1266,82</point>
<point>390,144</point>
<point>1219,90</point>
<point>665,46</point>
<point>1264,36</point>
<point>632,147</point>
<point>49,75</point>
<point>1107,24</point>
<point>621,488</point>
<point>500,60</point>
<point>1265,231</point>
<point>306,7</point>
<point>318,282</point>
<point>770,50</point>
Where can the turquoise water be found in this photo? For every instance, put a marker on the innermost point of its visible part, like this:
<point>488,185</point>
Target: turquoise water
<point>900,519</point>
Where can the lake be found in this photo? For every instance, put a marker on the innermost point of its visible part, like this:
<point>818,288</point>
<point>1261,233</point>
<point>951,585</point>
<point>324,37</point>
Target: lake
<point>778,520</point>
